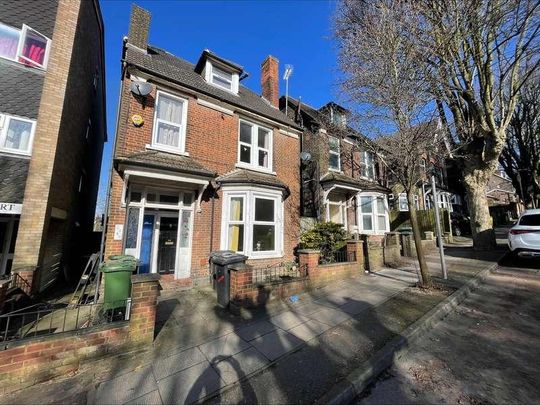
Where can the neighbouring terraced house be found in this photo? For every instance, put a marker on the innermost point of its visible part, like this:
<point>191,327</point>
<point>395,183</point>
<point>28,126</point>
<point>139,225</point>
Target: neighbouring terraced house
<point>201,163</point>
<point>342,180</point>
<point>52,130</point>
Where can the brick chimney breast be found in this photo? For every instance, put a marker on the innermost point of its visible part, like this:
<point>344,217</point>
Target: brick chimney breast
<point>270,80</point>
<point>139,25</point>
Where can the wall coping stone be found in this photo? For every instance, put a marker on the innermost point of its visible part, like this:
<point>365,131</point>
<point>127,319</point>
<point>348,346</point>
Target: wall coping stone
<point>144,278</point>
<point>309,251</point>
<point>62,335</point>
<point>240,267</point>
<point>355,241</point>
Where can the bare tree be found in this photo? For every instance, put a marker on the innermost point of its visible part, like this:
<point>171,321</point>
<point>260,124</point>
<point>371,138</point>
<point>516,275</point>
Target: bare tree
<point>521,156</point>
<point>382,75</point>
<point>471,57</point>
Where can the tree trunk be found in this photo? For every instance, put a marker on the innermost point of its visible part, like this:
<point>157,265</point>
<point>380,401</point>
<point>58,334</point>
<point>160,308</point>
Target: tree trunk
<point>424,271</point>
<point>476,181</point>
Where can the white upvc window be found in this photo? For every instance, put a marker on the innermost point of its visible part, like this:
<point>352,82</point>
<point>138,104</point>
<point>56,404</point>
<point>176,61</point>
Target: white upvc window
<point>254,146</point>
<point>372,214</point>
<point>367,166</point>
<point>404,204</point>
<point>170,117</point>
<point>221,77</point>
<point>16,134</point>
<point>334,154</point>
<point>25,45</point>
<point>252,222</point>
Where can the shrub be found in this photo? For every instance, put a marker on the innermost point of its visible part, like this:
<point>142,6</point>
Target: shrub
<point>328,237</point>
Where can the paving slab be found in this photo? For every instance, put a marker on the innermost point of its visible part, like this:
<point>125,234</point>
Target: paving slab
<point>288,320</point>
<point>189,385</point>
<point>354,307</point>
<point>240,365</point>
<point>277,343</point>
<point>309,330</point>
<point>126,387</point>
<point>255,330</point>
<point>306,309</point>
<point>152,398</point>
<point>330,316</point>
<point>224,346</point>
<point>165,366</point>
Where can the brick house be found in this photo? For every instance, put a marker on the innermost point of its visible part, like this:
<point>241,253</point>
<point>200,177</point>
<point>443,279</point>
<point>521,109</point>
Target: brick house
<point>52,130</point>
<point>341,181</point>
<point>201,163</point>
<point>504,202</point>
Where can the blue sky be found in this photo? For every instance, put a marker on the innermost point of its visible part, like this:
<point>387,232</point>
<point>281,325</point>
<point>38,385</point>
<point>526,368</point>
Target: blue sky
<point>296,32</point>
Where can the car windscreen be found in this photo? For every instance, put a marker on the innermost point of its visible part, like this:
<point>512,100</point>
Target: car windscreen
<point>531,220</point>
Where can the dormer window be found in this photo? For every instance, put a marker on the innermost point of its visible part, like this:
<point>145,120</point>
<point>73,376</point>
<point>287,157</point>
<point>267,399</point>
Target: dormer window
<point>221,77</point>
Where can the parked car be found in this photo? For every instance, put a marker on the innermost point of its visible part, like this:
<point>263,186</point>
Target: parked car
<point>524,236</point>
<point>461,224</point>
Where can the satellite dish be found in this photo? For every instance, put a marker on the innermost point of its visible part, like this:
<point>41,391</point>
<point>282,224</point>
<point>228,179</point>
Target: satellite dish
<point>141,88</point>
<point>305,156</point>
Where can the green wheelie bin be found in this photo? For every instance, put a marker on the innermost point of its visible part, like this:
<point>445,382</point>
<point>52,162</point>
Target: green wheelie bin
<point>117,275</point>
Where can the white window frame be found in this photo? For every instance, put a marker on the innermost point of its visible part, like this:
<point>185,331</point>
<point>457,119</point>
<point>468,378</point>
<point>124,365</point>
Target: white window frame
<point>249,195</point>
<point>24,31</point>
<point>343,210</point>
<point>3,134</point>
<point>374,214</point>
<point>365,168</point>
<point>181,149</point>
<point>22,35</point>
<point>403,196</point>
<point>333,152</point>
<point>209,77</point>
<point>254,147</point>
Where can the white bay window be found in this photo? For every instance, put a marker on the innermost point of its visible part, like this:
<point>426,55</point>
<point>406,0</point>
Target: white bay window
<point>170,116</point>
<point>372,214</point>
<point>252,222</point>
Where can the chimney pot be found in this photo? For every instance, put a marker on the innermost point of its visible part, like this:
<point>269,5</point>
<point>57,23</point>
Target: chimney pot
<point>270,80</point>
<point>139,25</point>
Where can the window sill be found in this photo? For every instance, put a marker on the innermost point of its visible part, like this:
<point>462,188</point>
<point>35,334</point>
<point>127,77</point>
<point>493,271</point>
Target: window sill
<point>335,170</point>
<point>14,153</point>
<point>266,256</point>
<point>255,169</point>
<point>165,149</point>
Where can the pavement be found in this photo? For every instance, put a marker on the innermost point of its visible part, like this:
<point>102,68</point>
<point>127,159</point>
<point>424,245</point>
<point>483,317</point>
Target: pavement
<point>487,351</point>
<point>282,353</point>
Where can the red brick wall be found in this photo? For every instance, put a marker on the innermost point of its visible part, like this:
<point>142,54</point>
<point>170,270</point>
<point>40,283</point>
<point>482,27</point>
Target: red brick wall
<point>212,140</point>
<point>28,362</point>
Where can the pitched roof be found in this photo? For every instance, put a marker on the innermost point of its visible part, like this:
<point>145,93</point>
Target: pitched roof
<point>161,63</point>
<point>243,176</point>
<point>363,185</point>
<point>166,161</point>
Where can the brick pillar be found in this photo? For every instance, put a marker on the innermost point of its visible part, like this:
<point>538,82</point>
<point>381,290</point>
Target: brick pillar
<point>308,259</point>
<point>375,256</point>
<point>144,293</point>
<point>429,235</point>
<point>241,282</point>
<point>392,238</point>
<point>35,216</point>
<point>356,247</point>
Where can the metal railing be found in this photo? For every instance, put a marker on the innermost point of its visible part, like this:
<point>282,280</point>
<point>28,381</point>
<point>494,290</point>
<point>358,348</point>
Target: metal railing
<point>340,256</point>
<point>44,319</point>
<point>280,273</point>
<point>18,282</point>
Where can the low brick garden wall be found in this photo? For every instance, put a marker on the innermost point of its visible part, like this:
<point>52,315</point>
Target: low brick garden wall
<point>30,361</point>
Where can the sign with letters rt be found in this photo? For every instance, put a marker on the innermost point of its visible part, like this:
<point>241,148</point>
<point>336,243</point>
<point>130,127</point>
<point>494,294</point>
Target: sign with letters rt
<point>10,208</point>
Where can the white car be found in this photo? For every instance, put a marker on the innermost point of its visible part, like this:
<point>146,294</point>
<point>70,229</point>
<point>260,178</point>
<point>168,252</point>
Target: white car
<point>524,236</point>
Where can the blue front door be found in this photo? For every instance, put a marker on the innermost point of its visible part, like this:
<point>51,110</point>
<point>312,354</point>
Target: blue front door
<point>146,244</point>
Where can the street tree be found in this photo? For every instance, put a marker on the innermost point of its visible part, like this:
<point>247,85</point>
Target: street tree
<point>382,76</point>
<point>520,157</point>
<point>471,58</point>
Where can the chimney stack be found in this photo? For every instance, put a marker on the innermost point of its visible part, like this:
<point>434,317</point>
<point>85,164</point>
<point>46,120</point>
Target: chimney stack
<point>139,25</point>
<point>270,80</point>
